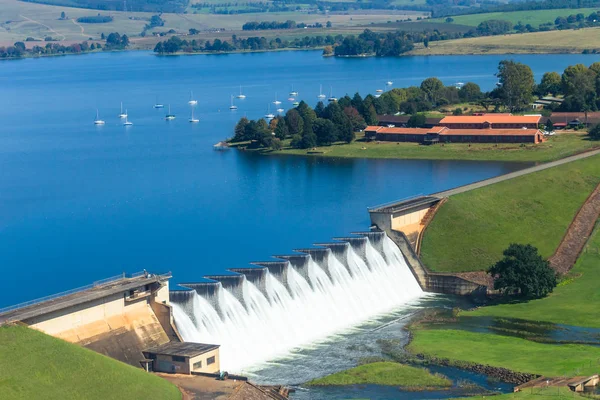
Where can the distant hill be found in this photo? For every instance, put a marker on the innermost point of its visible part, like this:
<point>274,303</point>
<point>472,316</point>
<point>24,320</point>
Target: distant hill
<point>168,6</point>
<point>34,365</point>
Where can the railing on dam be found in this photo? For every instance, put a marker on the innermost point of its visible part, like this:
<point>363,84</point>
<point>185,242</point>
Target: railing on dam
<point>394,202</point>
<point>101,282</point>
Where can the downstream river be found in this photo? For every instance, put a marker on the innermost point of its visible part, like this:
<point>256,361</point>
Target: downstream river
<point>80,202</point>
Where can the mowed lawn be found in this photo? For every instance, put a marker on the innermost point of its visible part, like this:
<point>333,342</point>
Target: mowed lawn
<point>384,373</point>
<point>549,393</point>
<point>533,17</point>
<point>576,300</point>
<point>470,231</point>
<point>507,352</point>
<point>556,147</point>
<point>34,365</point>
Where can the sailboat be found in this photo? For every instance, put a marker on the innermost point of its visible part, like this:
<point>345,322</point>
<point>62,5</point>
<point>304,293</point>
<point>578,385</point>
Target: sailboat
<point>276,102</point>
<point>389,83</point>
<point>121,114</point>
<point>192,119</point>
<point>269,115</point>
<point>170,116</point>
<point>98,121</point>
<point>280,110</point>
<point>232,106</point>
<point>321,95</point>
<point>192,102</point>
<point>293,92</point>
<point>331,99</point>
<point>241,96</point>
<point>157,104</point>
<point>127,122</point>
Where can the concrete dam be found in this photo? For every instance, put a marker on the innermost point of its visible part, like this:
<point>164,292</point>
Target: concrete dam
<point>262,312</point>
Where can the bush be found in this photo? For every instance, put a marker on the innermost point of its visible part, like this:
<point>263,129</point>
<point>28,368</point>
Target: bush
<point>595,132</point>
<point>457,111</point>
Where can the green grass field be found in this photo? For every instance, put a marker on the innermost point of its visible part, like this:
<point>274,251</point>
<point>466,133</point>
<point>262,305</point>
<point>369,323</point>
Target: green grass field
<point>550,393</point>
<point>34,365</point>
<point>533,17</point>
<point>556,147</point>
<point>507,352</point>
<point>384,373</point>
<point>576,300</point>
<point>470,231</point>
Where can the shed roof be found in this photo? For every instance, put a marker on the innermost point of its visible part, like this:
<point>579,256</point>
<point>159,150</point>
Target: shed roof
<point>183,349</point>
<point>491,118</point>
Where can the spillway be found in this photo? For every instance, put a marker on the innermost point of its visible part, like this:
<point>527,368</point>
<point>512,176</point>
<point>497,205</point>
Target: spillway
<point>261,313</point>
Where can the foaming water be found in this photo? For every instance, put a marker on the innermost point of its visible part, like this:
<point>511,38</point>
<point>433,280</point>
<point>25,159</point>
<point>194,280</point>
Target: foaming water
<point>261,324</point>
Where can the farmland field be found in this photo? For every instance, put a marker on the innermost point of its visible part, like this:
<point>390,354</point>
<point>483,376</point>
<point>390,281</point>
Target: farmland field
<point>553,42</point>
<point>533,17</point>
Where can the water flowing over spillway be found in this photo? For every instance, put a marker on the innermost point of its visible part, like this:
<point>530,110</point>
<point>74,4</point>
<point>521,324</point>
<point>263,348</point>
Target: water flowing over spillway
<point>264,312</point>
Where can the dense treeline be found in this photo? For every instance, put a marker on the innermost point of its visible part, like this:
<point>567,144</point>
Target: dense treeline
<point>580,86</point>
<point>175,44</point>
<point>95,19</point>
<point>444,8</point>
<point>289,24</point>
<point>114,41</point>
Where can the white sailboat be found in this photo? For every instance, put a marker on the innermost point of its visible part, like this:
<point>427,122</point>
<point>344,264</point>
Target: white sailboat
<point>389,83</point>
<point>98,121</point>
<point>192,119</point>
<point>169,116</point>
<point>192,102</point>
<point>127,122</point>
<point>280,110</point>
<point>269,115</point>
<point>241,95</point>
<point>157,104</point>
<point>331,99</point>
<point>293,92</point>
<point>122,114</point>
<point>232,106</point>
<point>276,102</point>
<point>321,95</point>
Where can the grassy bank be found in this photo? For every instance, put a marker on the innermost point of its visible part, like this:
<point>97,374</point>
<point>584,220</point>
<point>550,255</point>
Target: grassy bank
<point>552,42</point>
<point>550,393</point>
<point>470,231</point>
<point>507,352</point>
<point>556,147</point>
<point>576,301</point>
<point>533,17</point>
<point>34,365</point>
<point>385,373</point>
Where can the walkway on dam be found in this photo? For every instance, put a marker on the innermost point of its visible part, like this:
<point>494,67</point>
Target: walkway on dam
<point>512,175</point>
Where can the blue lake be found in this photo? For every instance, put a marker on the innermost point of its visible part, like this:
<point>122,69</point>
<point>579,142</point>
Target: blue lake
<point>80,202</point>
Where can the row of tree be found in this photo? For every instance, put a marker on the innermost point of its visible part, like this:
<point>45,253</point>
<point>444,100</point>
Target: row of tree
<point>19,50</point>
<point>289,24</point>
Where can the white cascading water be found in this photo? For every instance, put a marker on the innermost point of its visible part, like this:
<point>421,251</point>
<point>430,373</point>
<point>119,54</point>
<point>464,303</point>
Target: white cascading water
<point>282,318</point>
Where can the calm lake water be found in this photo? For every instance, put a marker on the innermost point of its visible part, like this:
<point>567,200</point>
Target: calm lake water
<point>80,202</point>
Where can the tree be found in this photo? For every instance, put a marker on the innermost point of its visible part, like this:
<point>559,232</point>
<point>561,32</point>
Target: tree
<point>371,116</point>
<point>523,272</point>
<point>579,87</point>
<point>240,130</point>
<point>516,84</point>
<point>595,132</point>
<point>433,88</point>
<point>281,130</point>
<point>470,92</point>
<point>416,121</point>
<point>324,131</point>
<point>63,15</point>
<point>328,24</point>
<point>294,122</point>
<point>549,126</point>
<point>551,83</point>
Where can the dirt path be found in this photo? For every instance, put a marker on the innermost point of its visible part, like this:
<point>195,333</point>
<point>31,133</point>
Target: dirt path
<point>44,25</point>
<point>577,235</point>
<point>79,25</point>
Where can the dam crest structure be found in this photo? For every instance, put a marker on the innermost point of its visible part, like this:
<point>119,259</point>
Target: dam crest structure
<point>263,312</point>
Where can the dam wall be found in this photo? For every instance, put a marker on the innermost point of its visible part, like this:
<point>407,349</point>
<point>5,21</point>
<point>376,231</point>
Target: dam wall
<point>117,317</point>
<point>404,223</point>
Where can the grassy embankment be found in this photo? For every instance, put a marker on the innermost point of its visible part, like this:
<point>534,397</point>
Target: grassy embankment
<point>34,365</point>
<point>576,301</point>
<point>556,147</point>
<point>552,42</point>
<point>470,231</point>
<point>385,373</point>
